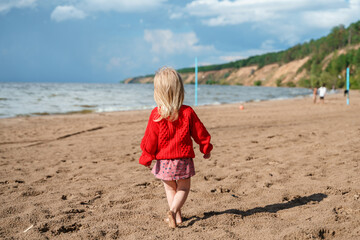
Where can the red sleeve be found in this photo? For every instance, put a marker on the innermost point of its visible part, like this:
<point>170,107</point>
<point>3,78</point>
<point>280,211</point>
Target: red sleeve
<point>150,140</point>
<point>200,134</point>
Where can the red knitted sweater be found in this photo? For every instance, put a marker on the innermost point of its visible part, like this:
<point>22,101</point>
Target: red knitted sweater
<point>172,140</point>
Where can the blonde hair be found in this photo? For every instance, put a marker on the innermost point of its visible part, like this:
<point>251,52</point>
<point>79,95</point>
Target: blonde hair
<point>168,93</point>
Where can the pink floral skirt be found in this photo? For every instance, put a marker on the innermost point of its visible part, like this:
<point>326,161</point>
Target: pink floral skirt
<point>174,169</point>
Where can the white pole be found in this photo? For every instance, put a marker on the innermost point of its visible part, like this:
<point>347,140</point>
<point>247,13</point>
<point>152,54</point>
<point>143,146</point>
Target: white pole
<point>196,82</point>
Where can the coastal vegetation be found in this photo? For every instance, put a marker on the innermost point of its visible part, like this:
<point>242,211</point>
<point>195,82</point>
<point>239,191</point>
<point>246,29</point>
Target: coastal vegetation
<point>323,61</point>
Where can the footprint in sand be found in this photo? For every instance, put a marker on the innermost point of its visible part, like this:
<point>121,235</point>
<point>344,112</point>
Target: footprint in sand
<point>143,185</point>
<point>43,228</point>
<point>220,190</point>
<point>219,178</point>
<point>207,177</point>
<point>249,158</point>
<point>31,193</point>
<point>325,233</point>
<point>74,211</point>
<point>98,195</point>
<point>69,228</point>
<point>210,176</point>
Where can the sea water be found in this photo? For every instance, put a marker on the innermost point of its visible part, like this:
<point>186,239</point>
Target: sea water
<point>28,99</point>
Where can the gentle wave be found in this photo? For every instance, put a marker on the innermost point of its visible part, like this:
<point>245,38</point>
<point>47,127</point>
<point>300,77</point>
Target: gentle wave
<point>28,99</point>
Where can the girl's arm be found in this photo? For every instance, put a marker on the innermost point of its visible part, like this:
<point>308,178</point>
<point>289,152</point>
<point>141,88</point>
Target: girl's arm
<point>200,134</point>
<point>149,142</point>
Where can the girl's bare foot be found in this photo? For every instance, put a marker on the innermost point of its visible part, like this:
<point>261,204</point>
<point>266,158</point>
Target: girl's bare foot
<point>172,222</point>
<point>178,217</point>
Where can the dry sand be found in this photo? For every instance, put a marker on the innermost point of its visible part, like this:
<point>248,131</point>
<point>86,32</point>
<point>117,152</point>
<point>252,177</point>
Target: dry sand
<point>279,170</point>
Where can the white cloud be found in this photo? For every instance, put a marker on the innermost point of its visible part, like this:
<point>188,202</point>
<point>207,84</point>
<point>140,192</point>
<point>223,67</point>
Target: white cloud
<point>176,15</point>
<point>165,42</point>
<point>219,13</point>
<point>287,20</point>
<point>230,58</point>
<point>334,17</point>
<point>176,12</point>
<point>81,9</point>
<point>62,13</point>
<point>284,31</point>
<point>7,5</point>
<point>121,5</point>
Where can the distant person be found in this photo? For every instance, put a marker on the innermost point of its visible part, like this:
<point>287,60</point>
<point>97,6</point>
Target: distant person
<point>346,92</point>
<point>168,140</point>
<point>322,93</point>
<point>333,90</point>
<point>315,94</point>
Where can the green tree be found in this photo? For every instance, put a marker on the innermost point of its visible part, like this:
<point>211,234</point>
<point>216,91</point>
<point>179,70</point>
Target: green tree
<point>305,82</point>
<point>355,82</point>
<point>338,38</point>
<point>290,84</point>
<point>315,69</point>
<point>356,60</point>
<point>328,79</point>
<point>257,83</point>
<point>315,81</point>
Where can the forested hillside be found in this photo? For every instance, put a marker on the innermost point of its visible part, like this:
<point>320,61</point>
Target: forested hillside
<point>322,61</point>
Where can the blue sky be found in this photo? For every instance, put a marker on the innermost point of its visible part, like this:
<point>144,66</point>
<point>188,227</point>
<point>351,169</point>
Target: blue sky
<point>105,41</point>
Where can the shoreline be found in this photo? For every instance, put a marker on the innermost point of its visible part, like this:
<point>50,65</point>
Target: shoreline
<point>87,111</point>
<point>54,100</point>
<point>279,170</point>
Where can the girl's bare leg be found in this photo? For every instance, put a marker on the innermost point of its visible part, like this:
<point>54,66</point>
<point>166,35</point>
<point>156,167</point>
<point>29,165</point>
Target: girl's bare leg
<point>170,190</point>
<point>182,191</point>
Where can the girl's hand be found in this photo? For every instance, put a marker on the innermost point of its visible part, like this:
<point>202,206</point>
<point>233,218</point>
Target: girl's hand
<point>207,156</point>
<point>148,166</point>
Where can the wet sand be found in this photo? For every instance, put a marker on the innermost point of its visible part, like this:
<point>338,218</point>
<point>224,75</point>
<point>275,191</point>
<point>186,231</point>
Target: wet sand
<point>284,169</point>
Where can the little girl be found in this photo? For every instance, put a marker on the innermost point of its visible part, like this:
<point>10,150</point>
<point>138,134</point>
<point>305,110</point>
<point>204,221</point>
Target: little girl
<point>168,140</point>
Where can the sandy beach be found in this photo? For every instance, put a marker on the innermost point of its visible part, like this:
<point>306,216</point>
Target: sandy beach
<point>286,169</point>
